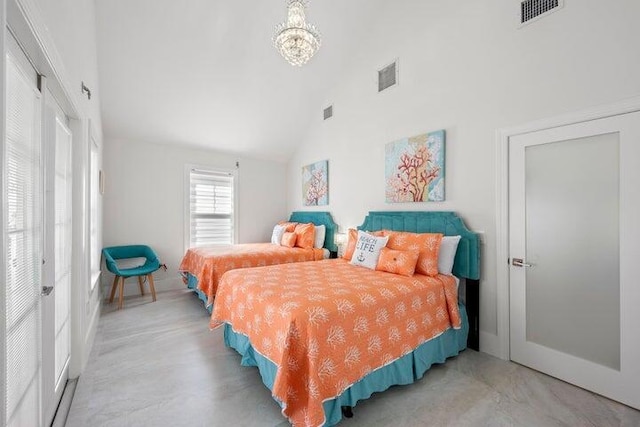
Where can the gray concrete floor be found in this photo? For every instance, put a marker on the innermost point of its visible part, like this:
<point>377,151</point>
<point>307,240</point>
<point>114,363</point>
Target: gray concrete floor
<point>158,364</point>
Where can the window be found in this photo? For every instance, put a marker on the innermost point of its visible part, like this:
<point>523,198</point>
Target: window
<point>94,213</point>
<point>211,206</point>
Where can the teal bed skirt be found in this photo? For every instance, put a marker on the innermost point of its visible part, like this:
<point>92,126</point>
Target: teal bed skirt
<point>192,283</point>
<point>405,370</point>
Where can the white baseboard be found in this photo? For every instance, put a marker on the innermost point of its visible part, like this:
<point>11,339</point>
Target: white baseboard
<point>490,344</point>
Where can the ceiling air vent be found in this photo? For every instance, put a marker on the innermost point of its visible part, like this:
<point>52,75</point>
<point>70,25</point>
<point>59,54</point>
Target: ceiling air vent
<point>328,112</point>
<point>532,9</point>
<point>388,76</point>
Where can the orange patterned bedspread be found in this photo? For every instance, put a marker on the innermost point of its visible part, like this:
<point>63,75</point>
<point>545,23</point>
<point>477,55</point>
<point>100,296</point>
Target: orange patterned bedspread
<point>209,263</point>
<point>327,324</point>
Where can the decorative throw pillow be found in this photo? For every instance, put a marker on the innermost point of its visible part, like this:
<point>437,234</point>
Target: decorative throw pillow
<point>351,244</point>
<point>306,235</point>
<point>398,262</point>
<point>321,232</point>
<point>276,236</point>
<point>289,239</point>
<point>427,243</point>
<point>288,226</point>
<point>447,254</point>
<point>367,250</point>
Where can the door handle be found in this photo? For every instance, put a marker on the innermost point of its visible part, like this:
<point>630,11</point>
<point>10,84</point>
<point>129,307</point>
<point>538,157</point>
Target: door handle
<point>46,290</point>
<point>519,262</point>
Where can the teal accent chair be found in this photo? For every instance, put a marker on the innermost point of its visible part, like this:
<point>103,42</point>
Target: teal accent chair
<point>115,253</point>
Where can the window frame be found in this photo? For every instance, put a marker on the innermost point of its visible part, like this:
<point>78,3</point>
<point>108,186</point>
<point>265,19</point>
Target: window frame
<point>187,199</point>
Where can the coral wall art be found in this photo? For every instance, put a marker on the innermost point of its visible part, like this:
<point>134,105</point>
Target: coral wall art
<point>315,184</point>
<point>414,169</point>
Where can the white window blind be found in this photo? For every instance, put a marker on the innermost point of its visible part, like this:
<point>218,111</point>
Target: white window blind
<point>211,207</point>
<point>94,213</point>
<point>63,230</point>
<point>23,257</point>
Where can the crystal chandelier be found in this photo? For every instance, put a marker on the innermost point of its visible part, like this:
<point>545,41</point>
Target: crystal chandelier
<point>296,40</point>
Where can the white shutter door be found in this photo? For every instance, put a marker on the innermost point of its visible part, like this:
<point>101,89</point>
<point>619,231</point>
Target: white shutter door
<point>23,230</point>
<point>211,208</point>
<point>62,237</point>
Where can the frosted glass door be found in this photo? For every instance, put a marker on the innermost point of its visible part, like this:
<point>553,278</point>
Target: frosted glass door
<point>572,229</point>
<point>574,206</point>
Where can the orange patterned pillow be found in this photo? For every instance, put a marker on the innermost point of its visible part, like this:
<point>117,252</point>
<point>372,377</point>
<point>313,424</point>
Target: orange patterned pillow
<point>289,239</point>
<point>427,243</point>
<point>351,244</point>
<point>289,227</point>
<point>306,235</point>
<point>398,262</point>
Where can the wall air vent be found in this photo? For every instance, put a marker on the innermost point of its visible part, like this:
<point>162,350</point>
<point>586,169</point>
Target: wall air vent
<point>328,112</point>
<point>534,9</point>
<point>388,76</point>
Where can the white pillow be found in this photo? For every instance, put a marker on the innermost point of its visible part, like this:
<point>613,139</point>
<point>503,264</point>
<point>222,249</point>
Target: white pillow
<point>447,254</point>
<point>321,231</point>
<point>368,250</point>
<point>276,236</point>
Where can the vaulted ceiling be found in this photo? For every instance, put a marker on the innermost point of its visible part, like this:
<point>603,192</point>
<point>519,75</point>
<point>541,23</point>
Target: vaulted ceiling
<point>205,73</point>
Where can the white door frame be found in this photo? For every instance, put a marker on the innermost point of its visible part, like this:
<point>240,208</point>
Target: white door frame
<point>629,105</point>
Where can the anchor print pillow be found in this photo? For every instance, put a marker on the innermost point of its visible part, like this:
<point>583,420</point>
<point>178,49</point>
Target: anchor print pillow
<point>353,237</point>
<point>367,250</point>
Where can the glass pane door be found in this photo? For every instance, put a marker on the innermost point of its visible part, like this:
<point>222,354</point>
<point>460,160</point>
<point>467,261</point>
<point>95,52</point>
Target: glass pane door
<point>62,255</point>
<point>22,231</point>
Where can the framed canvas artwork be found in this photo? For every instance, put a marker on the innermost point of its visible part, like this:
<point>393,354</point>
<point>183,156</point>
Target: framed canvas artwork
<point>315,184</point>
<point>414,169</point>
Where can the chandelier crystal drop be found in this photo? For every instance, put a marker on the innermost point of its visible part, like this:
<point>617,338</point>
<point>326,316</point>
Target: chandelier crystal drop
<point>296,40</point>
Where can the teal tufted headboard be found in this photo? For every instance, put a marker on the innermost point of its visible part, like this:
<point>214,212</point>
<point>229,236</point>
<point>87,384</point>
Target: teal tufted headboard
<point>319,218</point>
<point>467,261</point>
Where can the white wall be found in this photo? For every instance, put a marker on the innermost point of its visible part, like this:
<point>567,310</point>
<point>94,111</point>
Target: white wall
<point>144,198</point>
<point>465,67</point>
<point>72,25</point>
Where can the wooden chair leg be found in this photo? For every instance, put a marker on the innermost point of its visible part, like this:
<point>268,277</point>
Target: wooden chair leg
<point>151,286</point>
<point>121,296</point>
<point>113,289</point>
<point>141,285</point>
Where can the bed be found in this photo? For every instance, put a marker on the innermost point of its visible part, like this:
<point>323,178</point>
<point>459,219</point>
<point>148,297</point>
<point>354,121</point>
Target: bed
<point>327,334</point>
<point>203,267</point>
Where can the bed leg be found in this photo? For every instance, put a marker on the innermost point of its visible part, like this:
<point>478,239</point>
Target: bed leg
<point>472,302</point>
<point>347,411</point>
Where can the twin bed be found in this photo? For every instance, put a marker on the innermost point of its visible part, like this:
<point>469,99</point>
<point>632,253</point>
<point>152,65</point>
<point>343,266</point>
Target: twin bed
<point>203,267</point>
<point>327,334</point>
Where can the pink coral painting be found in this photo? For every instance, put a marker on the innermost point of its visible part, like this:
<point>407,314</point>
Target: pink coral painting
<point>315,184</point>
<point>414,169</point>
